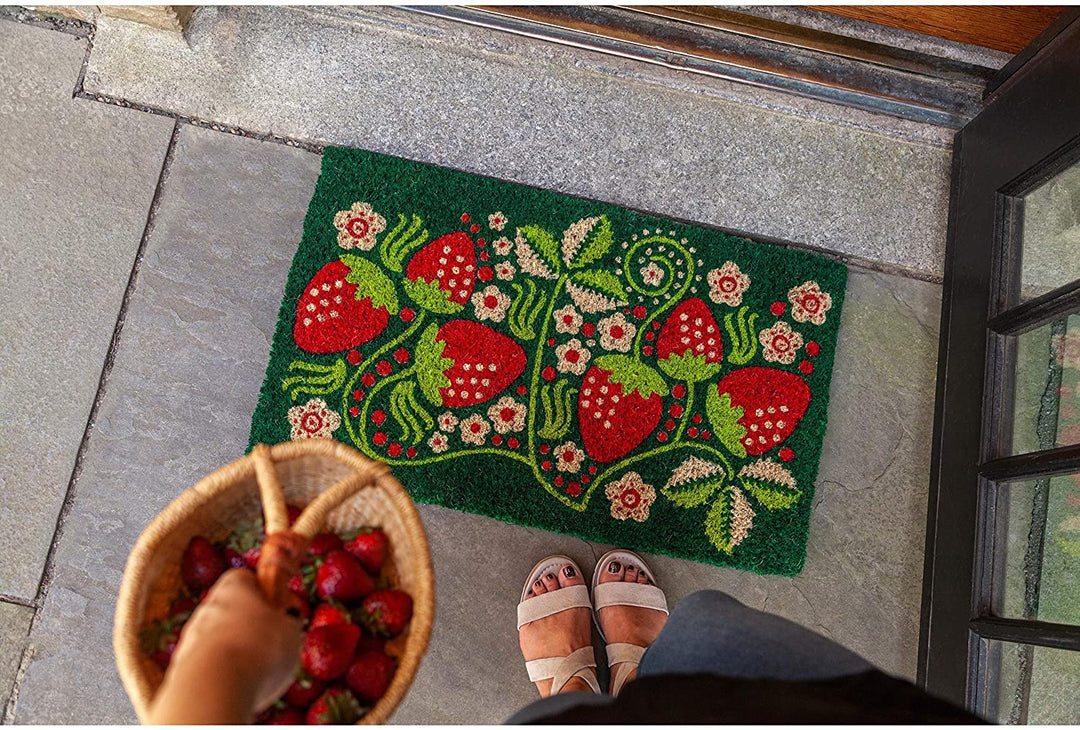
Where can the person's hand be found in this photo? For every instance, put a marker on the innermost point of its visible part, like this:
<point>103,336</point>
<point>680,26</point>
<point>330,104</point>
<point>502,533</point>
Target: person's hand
<point>237,654</point>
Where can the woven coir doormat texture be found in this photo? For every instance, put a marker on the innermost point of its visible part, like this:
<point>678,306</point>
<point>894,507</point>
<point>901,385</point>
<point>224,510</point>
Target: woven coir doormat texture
<point>558,362</point>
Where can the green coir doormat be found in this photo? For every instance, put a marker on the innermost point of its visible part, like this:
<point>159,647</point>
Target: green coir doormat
<point>558,362</point>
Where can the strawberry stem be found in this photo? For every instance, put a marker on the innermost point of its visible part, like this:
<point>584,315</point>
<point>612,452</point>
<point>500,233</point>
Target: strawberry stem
<point>687,409</point>
<point>323,379</point>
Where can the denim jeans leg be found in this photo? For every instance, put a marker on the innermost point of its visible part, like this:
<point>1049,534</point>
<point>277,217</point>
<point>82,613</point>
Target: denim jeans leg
<point>710,632</point>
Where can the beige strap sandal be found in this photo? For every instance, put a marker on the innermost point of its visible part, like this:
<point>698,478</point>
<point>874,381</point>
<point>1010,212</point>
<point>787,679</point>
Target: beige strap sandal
<point>627,656</point>
<point>580,663</point>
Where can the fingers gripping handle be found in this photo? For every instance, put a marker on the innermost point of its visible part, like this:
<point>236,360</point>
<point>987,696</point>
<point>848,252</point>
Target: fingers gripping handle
<point>283,549</point>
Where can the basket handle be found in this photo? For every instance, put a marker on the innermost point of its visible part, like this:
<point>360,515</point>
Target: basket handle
<point>284,547</point>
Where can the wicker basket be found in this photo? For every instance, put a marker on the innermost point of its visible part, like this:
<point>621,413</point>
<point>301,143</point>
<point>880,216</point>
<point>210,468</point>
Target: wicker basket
<point>363,493</point>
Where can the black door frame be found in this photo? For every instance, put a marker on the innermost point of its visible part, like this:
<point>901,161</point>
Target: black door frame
<point>1029,130</point>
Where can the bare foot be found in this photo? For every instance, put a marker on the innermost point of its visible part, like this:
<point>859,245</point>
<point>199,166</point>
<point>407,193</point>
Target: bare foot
<point>558,635</point>
<point>629,624</point>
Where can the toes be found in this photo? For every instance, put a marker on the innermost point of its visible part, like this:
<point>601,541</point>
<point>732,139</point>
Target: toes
<point>613,572</point>
<point>631,574</point>
<point>551,583</point>
<point>529,593</point>
<point>641,577</point>
<point>570,576</point>
<point>538,588</point>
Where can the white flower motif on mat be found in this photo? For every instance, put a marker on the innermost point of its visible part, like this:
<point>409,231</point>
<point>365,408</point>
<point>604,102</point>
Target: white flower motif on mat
<point>652,274</point>
<point>567,320</point>
<point>568,457</point>
<point>572,357</point>
<point>474,429</point>
<point>358,226</point>
<point>507,415</point>
<point>779,343</point>
<point>438,442</point>
<point>448,421</point>
<point>809,303</point>
<point>502,245</point>
<point>490,304</point>
<point>616,333</point>
<point>505,271</point>
<point>497,221</point>
<point>630,497</point>
<point>313,420</point>
<point>727,284</point>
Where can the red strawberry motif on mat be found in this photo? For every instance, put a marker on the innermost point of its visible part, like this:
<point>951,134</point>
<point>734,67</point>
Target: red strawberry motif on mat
<point>464,363</point>
<point>440,277</point>
<point>620,403</point>
<point>346,304</point>
<point>689,346</point>
<point>754,409</point>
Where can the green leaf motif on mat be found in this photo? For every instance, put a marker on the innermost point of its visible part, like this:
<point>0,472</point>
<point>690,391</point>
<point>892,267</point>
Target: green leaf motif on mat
<point>725,421</point>
<point>691,368</point>
<point>543,244</point>
<point>771,495</point>
<point>430,296</point>
<point>587,241</point>
<point>596,290</point>
<point>525,310</point>
<point>744,341</point>
<point>371,283</point>
<point>633,375</point>
<point>694,481</point>
<point>399,243</point>
<point>729,520</point>
<point>431,366</point>
<point>411,417</point>
<point>315,379</point>
<point>558,410</point>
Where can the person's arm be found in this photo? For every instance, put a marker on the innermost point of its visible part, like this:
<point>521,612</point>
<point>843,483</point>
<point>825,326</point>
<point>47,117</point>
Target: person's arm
<point>237,654</point>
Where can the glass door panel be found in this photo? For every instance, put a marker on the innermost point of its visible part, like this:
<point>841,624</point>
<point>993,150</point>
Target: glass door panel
<point>1046,385</point>
<point>1037,685</point>
<point>1037,551</point>
<point>1051,234</point>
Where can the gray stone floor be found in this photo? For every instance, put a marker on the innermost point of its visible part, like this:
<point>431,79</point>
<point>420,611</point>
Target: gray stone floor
<point>190,356</point>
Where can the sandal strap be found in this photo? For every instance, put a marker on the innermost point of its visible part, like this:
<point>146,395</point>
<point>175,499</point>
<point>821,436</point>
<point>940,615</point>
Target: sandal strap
<point>618,593</point>
<point>560,670</point>
<point>628,656</point>
<point>549,604</point>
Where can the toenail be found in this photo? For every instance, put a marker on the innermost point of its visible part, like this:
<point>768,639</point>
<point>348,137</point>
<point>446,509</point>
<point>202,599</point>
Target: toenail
<point>538,584</point>
<point>550,576</point>
<point>568,571</point>
<point>614,567</point>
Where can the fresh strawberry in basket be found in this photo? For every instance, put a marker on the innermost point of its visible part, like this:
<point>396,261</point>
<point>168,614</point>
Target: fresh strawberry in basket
<point>330,613</point>
<point>305,690</point>
<point>369,675</point>
<point>285,716</point>
<point>342,577</point>
<point>369,547</point>
<point>386,612</point>
<point>327,651</point>
<point>324,543</point>
<point>202,564</point>
<point>336,706</point>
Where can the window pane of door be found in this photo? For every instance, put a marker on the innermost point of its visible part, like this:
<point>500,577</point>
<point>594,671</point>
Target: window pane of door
<point>1050,256</point>
<point>1036,568</point>
<point>1046,386</point>
<point>1032,684</point>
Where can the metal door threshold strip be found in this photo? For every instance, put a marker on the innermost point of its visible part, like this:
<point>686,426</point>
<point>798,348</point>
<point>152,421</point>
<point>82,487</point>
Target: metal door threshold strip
<point>755,51</point>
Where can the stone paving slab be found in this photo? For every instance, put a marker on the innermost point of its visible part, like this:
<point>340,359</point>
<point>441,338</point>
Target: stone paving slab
<point>186,378</point>
<point>541,114</point>
<point>179,402</point>
<point>15,630</point>
<point>76,181</point>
